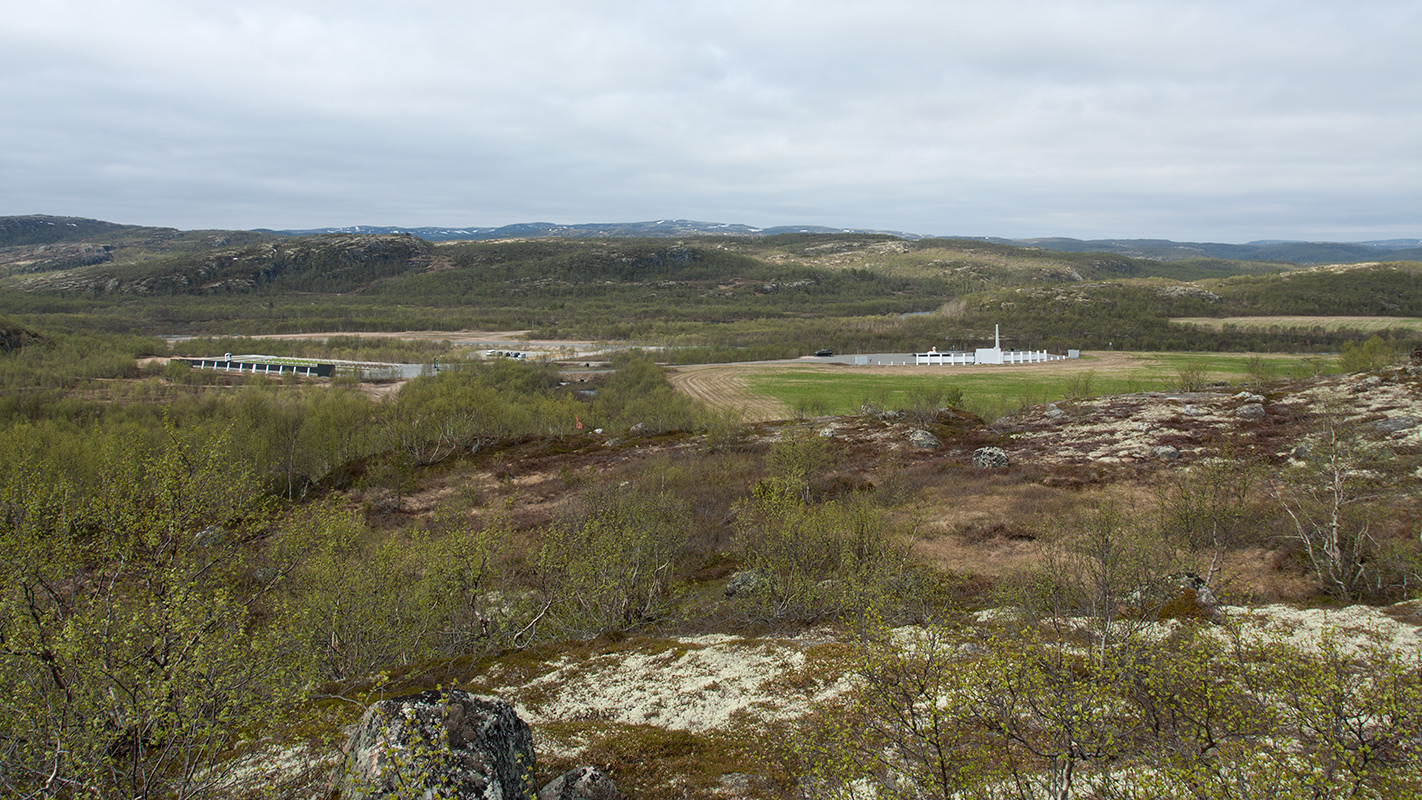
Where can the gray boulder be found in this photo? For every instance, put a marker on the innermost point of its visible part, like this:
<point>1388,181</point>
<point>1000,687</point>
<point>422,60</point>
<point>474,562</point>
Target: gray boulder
<point>1166,452</point>
<point>583,783</point>
<point>1249,411</point>
<point>440,745</point>
<point>924,440</point>
<point>745,582</point>
<point>990,458</point>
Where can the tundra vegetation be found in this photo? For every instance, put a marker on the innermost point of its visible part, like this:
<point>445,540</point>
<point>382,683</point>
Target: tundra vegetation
<point>199,570</point>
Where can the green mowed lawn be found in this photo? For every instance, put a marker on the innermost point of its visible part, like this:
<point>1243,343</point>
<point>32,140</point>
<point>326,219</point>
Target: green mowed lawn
<point>990,394</point>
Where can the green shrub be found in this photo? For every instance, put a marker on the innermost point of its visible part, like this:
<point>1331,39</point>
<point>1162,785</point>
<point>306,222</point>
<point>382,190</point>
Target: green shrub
<point>816,560</point>
<point>614,569</point>
<point>1372,355</point>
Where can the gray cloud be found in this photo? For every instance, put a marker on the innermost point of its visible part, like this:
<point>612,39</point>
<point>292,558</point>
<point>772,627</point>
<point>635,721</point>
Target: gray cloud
<point>1202,120</point>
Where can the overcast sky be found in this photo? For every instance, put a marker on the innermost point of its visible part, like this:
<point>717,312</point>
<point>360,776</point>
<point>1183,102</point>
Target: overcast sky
<point>1183,119</point>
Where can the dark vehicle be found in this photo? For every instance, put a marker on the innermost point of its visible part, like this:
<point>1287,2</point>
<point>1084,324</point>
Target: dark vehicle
<point>823,353</point>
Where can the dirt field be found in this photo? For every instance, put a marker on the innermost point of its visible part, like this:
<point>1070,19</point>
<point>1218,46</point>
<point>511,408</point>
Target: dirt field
<point>724,386</point>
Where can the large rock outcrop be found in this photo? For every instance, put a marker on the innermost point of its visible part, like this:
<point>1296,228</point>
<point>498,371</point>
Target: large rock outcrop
<point>439,745</point>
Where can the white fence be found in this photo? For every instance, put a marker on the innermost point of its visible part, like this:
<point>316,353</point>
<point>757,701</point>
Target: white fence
<point>985,356</point>
<point>935,358</point>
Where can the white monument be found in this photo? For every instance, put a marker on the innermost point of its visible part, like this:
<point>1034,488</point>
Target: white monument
<point>987,355</point>
<point>991,355</point>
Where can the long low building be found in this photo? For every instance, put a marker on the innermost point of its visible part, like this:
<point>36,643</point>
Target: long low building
<point>256,366</point>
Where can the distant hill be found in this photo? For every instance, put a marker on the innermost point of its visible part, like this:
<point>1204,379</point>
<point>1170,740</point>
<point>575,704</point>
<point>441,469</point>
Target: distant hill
<point>1291,252</point>
<point>40,229</point>
<point>46,231</point>
<point>40,243</point>
<point>327,264</point>
<point>1279,251</point>
<point>595,230</point>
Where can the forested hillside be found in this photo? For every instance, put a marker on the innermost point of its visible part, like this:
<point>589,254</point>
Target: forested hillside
<point>719,298</point>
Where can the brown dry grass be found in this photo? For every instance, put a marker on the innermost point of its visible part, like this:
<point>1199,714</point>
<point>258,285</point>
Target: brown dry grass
<point>724,386</point>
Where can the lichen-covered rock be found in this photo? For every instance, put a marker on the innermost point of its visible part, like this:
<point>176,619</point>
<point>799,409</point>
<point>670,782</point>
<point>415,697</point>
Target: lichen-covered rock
<point>1166,452</point>
<point>583,783</point>
<point>990,458</point>
<point>924,440</point>
<point>1250,411</point>
<point>440,745</point>
<point>745,582</point>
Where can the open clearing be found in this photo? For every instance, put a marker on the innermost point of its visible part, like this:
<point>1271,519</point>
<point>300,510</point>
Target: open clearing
<point>1283,322</point>
<point>778,390</point>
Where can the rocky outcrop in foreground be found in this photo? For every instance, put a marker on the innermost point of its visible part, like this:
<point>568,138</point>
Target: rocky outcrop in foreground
<point>439,745</point>
<point>453,745</point>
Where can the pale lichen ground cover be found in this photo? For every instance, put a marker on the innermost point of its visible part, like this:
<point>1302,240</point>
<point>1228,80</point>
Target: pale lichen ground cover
<point>700,684</point>
<point>714,682</point>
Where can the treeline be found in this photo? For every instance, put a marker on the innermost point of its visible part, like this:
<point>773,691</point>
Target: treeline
<point>1379,290</point>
